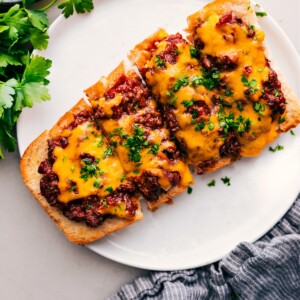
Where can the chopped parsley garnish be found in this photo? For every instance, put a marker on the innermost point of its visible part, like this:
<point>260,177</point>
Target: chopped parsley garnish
<point>212,183</point>
<point>97,160</point>
<point>110,189</point>
<point>194,52</point>
<point>101,142</point>
<point>276,93</point>
<point>123,177</point>
<point>259,108</point>
<point>160,63</point>
<point>259,70</point>
<point>241,124</point>
<point>281,120</point>
<point>108,152</point>
<point>136,171</point>
<point>89,170</point>
<point>226,180</point>
<point>188,103</point>
<point>136,143</point>
<point>72,188</point>
<point>122,134</point>
<point>252,27</point>
<point>252,84</point>
<point>224,103</point>
<point>154,149</point>
<point>189,190</point>
<point>96,183</point>
<point>179,83</point>
<point>173,98</point>
<point>199,126</point>
<point>104,203</point>
<point>73,168</point>
<point>228,93</point>
<point>292,132</point>
<point>211,126</point>
<point>210,79</point>
<point>261,13</point>
<point>277,148</point>
<point>194,114</point>
<point>239,106</point>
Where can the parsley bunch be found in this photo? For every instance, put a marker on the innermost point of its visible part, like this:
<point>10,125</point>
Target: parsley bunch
<point>23,77</point>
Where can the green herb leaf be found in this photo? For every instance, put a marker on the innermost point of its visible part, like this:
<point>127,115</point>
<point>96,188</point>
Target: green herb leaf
<point>189,190</point>
<point>80,6</point>
<point>277,148</point>
<point>108,152</point>
<point>199,126</point>
<point>261,14</point>
<point>160,63</point>
<point>212,183</point>
<point>226,180</point>
<point>110,189</point>
<point>188,103</point>
<point>281,120</point>
<point>179,83</point>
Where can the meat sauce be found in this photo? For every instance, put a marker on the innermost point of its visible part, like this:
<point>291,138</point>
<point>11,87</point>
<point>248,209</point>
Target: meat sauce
<point>85,209</point>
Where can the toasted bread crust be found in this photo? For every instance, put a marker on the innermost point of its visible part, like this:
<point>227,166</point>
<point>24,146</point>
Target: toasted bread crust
<point>78,233</point>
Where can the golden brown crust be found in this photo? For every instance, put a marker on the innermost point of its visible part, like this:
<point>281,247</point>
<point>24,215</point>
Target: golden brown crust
<point>98,89</point>
<point>140,54</point>
<point>165,198</point>
<point>241,8</point>
<point>292,114</point>
<point>77,233</point>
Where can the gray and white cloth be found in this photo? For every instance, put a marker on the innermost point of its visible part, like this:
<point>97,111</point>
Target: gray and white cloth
<point>266,269</point>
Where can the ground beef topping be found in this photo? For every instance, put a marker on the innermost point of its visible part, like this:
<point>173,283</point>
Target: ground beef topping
<point>148,186</point>
<point>86,209</point>
<point>135,95</point>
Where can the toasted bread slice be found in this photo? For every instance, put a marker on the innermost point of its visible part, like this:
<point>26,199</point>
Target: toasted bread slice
<point>243,10</point>
<point>75,232</point>
<point>154,165</point>
<point>152,58</point>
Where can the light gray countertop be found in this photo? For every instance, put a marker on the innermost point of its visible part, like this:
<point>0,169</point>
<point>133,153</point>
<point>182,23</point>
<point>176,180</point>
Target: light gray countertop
<point>36,261</point>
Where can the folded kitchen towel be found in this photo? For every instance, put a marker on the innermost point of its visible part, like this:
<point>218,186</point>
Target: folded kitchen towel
<point>266,269</point>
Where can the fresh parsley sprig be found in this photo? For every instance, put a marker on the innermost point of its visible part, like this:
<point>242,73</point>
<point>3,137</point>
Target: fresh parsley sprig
<point>23,77</point>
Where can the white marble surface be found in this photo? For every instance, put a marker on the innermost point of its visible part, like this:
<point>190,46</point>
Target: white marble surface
<point>36,262</point>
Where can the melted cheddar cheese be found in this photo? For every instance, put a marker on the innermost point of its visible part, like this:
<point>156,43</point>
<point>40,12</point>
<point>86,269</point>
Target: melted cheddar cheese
<point>229,40</point>
<point>78,178</point>
<point>152,163</point>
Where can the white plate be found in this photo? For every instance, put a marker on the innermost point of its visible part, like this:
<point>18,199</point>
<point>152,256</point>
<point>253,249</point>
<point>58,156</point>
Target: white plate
<point>199,228</point>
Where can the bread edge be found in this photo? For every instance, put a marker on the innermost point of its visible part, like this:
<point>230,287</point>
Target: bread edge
<point>78,233</point>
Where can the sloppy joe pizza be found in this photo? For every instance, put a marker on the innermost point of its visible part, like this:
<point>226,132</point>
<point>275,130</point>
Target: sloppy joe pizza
<point>205,100</point>
<point>222,98</point>
<point>129,115</point>
<point>78,180</point>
